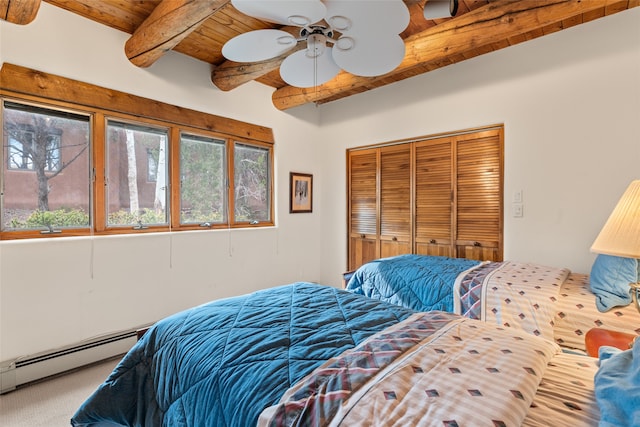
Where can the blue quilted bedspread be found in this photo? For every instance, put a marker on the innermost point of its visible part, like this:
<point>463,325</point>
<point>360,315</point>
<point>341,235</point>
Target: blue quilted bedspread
<point>420,282</point>
<point>222,363</point>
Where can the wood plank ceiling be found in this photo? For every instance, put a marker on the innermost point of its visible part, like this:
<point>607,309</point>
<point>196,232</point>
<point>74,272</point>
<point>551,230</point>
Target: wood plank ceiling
<point>199,28</point>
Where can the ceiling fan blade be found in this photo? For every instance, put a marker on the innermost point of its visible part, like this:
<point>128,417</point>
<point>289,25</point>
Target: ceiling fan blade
<point>380,16</point>
<point>300,70</point>
<point>283,12</point>
<point>369,56</point>
<point>258,45</point>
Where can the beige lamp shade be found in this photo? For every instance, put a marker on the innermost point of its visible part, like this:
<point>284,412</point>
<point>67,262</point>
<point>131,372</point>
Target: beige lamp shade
<point>620,235</point>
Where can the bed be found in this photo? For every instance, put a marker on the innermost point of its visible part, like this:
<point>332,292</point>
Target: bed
<point>311,355</point>
<point>576,314</point>
<point>551,302</point>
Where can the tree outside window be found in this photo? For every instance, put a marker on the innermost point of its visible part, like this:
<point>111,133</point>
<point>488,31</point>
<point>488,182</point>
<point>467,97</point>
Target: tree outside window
<point>133,199</point>
<point>40,145</point>
<point>251,183</point>
<point>203,180</point>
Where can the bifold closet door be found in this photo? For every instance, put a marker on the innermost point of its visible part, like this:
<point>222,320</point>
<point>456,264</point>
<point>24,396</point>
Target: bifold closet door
<point>479,205</point>
<point>434,197</point>
<point>395,200</point>
<point>437,196</point>
<point>363,207</point>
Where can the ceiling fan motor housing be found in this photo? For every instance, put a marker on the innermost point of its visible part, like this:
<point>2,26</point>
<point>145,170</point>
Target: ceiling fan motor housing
<point>316,29</point>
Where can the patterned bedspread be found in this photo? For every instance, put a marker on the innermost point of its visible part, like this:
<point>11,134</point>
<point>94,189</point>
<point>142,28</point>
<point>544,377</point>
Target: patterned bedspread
<point>510,294</point>
<point>576,313</point>
<point>431,369</point>
<point>523,295</point>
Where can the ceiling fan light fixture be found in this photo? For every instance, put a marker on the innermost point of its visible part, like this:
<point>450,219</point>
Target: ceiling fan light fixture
<point>389,16</point>
<point>299,70</point>
<point>339,23</point>
<point>281,11</point>
<point>299,20</point>
<point>258,45</point>
<point>286,40</point>
<point>344,43</point>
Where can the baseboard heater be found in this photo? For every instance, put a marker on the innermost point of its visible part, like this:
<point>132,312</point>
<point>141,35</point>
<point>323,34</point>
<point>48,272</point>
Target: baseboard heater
<point>24,370</point>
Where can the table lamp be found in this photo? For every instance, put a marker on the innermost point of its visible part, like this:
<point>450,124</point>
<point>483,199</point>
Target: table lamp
<point>620,235</point>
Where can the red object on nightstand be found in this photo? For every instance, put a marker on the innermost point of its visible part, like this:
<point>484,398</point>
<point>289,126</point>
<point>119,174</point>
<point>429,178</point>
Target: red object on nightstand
<point>597,337</point>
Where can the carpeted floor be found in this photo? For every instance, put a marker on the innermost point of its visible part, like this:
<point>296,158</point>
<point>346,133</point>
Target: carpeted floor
<point>52,402</point>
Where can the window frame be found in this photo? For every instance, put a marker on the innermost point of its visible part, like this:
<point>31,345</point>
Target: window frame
<point>102,105</point>
<point>36,103</point>
<point>178,150</point>
<point>231,166</point>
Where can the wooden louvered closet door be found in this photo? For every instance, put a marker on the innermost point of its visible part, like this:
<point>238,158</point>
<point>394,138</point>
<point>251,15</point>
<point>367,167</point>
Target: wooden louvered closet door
<point>479,195</point>
<point>363,214</point>
<point>438,196</point>
<point>395,200</point>
<point>434,197</point>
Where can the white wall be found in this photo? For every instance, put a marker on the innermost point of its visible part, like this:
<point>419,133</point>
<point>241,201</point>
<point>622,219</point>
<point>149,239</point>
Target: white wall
<point>570,105</point>
<point>61,291</point>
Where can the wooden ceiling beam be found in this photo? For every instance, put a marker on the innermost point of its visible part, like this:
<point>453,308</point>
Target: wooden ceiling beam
<point>230,75</point>
<point>169,23</point>
<point>494,23</point>
<point>20,12</point>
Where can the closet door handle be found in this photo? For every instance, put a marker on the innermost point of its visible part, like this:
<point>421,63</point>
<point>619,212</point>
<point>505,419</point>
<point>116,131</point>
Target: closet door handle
<point>432,241</point>
<point>362,236</point>
<point>477,244</point>
<point>394,238</point>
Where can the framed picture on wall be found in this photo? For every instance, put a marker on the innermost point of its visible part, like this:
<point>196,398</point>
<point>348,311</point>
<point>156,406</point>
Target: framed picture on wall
<point>300,192</point>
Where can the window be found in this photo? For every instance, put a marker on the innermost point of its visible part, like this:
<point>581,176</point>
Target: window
<point>203,180</point>
<point>251,183</point>
<point>53,186</point>
<point>46,179</point>
<point>82,168</point>
<point>133,200</point>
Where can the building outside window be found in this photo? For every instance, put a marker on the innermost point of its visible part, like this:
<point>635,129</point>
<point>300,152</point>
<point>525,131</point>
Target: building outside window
<point>46,178</point>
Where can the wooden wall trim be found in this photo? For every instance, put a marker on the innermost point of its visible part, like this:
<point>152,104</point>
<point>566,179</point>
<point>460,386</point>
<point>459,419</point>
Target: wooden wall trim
<point>26,81</point>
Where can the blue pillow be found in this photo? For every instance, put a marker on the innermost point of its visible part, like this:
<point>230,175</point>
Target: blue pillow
<point>609,280</point>
<point>617,386</point>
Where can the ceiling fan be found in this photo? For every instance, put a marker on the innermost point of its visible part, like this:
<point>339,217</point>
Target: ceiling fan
<point>361,37</point>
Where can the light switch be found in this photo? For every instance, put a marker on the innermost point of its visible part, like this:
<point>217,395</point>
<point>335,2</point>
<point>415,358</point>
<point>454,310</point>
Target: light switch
<point>518,210</point>
<point>517,196</point>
